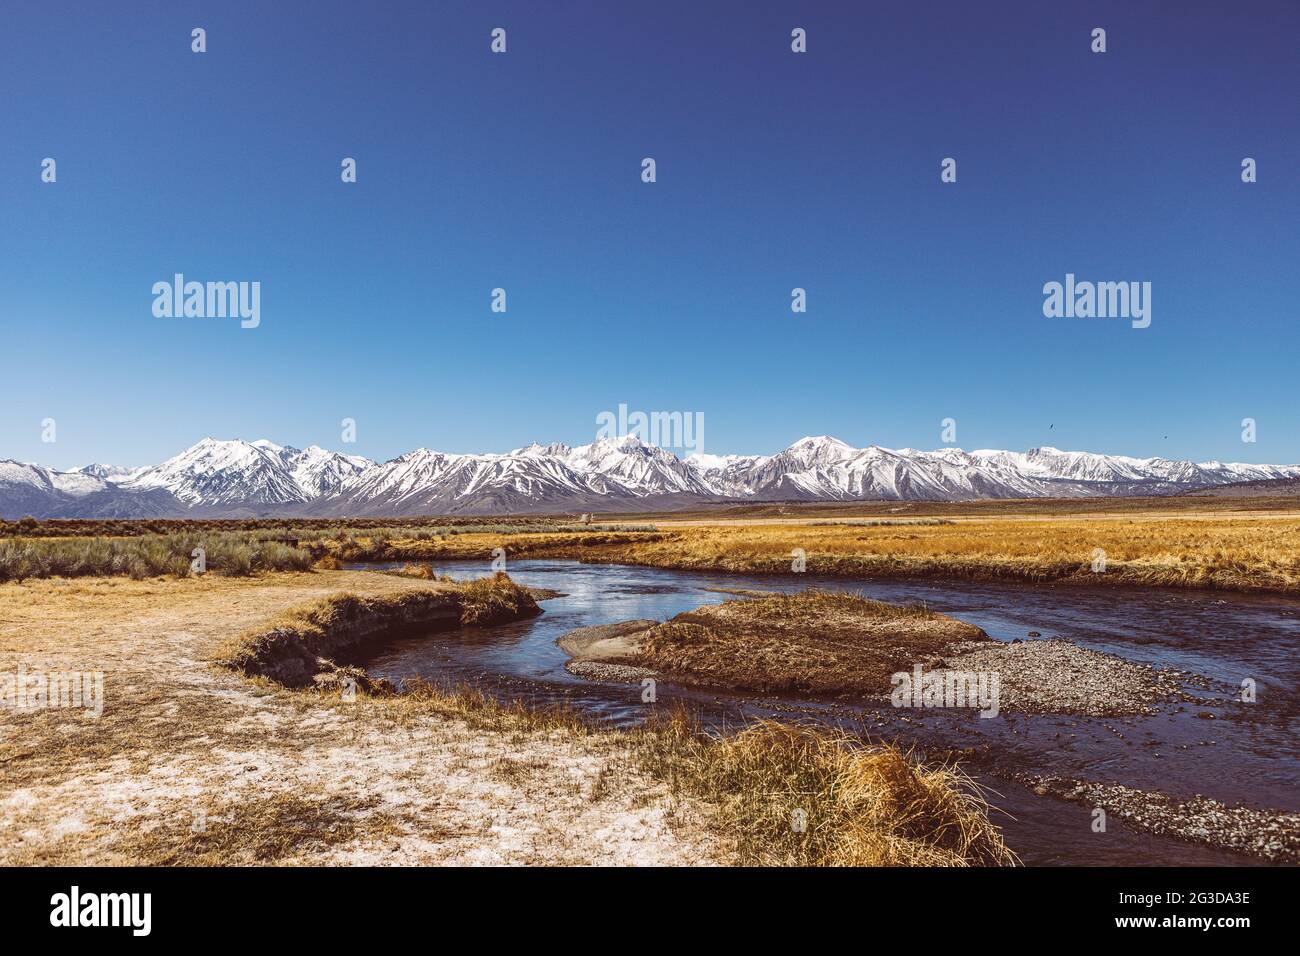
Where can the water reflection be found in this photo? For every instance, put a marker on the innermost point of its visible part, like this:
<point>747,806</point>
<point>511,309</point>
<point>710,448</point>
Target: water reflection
<point>1244,754</point>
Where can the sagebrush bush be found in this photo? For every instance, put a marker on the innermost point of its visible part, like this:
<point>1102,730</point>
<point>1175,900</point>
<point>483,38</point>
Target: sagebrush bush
<point>234,553</point>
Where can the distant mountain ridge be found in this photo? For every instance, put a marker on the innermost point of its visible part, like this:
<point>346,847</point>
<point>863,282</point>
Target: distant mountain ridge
<point>237,478</point>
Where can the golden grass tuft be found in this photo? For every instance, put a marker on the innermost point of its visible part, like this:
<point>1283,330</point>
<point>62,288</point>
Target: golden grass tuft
<point>494,600</point>
<point>861,804</point>
<point>420,571</point>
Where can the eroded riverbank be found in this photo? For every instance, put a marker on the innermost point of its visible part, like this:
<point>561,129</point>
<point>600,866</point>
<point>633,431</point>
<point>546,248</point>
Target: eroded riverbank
<point>1244,754</point>
<point>194,764</point>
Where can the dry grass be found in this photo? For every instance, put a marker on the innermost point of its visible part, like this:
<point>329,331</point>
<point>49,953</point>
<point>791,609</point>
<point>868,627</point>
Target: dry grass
<point>494,600</point>
<point>146,556</point>
<point>788,795</point>
<point>1245,544</point>
<point>420,698</point>
<point>276,828</point>
<point>423,571</point>
<point>430,776</point>
<point>41,552</point>
<point>814,642</point>
<point>1254,552</point>
<point>863,804</point>
<point>306,643</point>
<point>285,776</point>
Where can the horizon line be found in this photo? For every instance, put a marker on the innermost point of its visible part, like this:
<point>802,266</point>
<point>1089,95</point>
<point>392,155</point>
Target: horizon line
<point>515,452</point>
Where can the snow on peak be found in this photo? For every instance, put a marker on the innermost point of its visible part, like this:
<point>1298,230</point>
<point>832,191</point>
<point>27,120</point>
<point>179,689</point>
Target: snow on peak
<point>818,450</point>
<point>703,462</point>
<point>217,471</point>
<point>820,440</point>
<point>538,450</point>
<point>110,473</point>
<point>232,472</point>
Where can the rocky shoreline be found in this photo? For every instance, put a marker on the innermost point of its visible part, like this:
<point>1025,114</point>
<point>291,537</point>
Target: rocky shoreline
<point>1047,676</point>
<point>1272,835</point>
<point>1055,676</point>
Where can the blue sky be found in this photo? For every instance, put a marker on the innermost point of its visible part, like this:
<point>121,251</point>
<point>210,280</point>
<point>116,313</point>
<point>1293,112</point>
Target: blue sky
<point>775,170</point>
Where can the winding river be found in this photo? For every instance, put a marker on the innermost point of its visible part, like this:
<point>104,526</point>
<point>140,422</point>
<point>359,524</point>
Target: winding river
<point>1245,753</point>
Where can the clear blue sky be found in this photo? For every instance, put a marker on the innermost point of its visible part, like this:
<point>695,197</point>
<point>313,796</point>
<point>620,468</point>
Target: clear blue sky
<point>775,170</point>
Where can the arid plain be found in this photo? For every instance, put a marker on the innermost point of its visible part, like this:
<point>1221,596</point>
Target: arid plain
<point>194,760</point>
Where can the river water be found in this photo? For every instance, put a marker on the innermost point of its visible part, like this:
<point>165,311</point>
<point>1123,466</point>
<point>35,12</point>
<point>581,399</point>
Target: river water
<point>1247,753</point>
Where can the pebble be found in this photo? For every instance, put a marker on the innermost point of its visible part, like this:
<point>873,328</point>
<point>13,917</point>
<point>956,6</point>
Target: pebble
<point>1271,834</point>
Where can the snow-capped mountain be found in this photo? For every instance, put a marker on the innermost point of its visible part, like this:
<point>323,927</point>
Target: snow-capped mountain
<point>27,489</point>
<point>430,482</point>
<point>218,473</point>
<point>214,473</point>
<point>110,473</point>
<point>728,475</point>
<point>318,472</point>
<point>603,472</point>
<point>236,477</point>
<point>628,464</point>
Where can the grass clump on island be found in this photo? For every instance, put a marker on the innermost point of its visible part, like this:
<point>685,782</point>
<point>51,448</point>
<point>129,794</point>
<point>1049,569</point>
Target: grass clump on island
<point>830,644</point>
<point>814,642</point>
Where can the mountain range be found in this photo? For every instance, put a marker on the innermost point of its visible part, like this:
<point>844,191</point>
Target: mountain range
<point>236,478</point>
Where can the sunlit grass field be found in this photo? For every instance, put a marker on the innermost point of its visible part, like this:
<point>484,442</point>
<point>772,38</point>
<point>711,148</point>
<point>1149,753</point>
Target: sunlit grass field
<point>1234,552</point>
<point>1214,545</point>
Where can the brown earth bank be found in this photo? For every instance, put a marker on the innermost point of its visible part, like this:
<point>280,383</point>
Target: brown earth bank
<point>192,762</point>
<point>307,644</point>
<point>829,644</point>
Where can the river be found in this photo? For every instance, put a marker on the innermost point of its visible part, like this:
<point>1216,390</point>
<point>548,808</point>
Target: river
<point>1247,753</point>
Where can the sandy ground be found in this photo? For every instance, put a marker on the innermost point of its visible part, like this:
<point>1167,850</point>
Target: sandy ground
<point>192,764</point>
